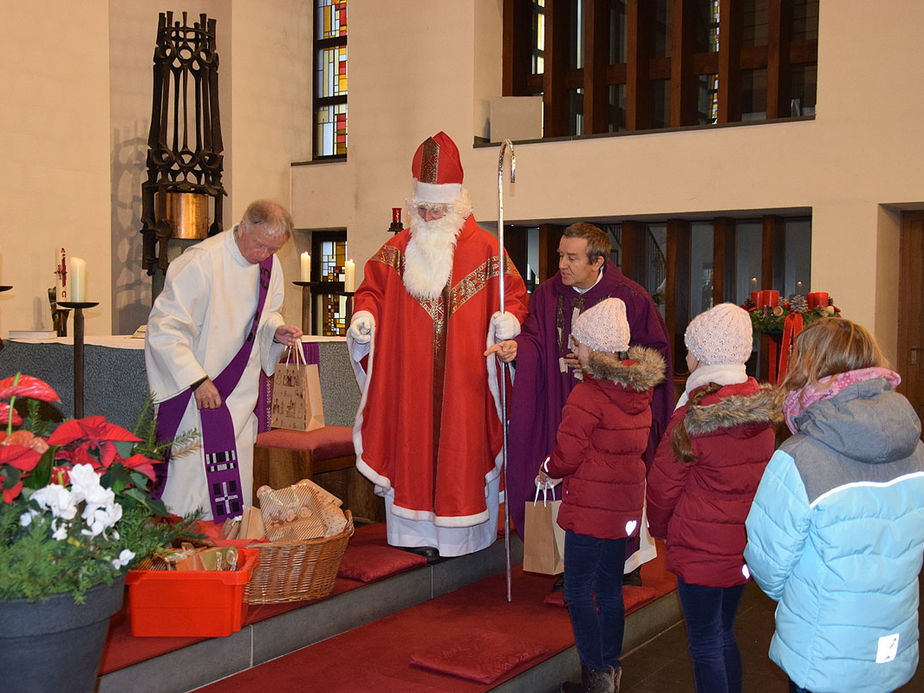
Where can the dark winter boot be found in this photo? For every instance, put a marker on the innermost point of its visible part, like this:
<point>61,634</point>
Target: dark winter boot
<point>593,681</point>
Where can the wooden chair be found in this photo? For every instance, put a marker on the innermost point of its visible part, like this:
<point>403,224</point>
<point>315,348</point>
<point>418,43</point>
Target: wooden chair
<point>325,455</point>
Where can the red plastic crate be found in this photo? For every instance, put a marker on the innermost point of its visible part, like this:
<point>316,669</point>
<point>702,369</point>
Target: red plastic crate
<point>189,603</point>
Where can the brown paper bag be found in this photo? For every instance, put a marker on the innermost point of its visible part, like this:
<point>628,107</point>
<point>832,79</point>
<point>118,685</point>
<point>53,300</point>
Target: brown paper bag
<point>543,539</point>
<point>297,401</point>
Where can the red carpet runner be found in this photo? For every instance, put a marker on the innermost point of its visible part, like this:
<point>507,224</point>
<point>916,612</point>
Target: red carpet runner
<point>447,631</point>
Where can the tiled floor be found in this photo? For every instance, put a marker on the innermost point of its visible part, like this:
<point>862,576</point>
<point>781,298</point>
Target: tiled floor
<point>663,665</point>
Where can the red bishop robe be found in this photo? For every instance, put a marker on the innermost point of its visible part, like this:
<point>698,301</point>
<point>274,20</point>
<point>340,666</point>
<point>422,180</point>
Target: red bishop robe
<point>428,424</point>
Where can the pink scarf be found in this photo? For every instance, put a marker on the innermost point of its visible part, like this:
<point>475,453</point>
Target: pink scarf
<point>798,401</point>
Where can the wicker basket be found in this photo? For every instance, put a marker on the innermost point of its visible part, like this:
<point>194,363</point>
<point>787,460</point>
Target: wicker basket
<point>292,571</point>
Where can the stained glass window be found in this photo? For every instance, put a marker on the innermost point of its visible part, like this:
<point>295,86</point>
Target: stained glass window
<point>332,71</point>
<point>330,92</point>
<point>332,18</point>
<point>331,130</point>
<point>333,258</point>
<point>330,305</point>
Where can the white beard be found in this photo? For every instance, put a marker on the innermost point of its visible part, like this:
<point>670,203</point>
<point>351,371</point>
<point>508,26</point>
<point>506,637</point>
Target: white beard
<point>428,258</point>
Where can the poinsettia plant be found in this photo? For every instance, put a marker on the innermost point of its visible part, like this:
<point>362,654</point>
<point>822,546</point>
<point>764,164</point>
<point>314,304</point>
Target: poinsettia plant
<point>75,513</point>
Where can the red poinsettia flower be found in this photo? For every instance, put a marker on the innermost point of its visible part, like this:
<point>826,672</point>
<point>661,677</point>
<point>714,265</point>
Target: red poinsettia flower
<point>27,386</point>
<point>96,434</point>
<point>81,455</point>
<point>5,410</point>
<point>143,464</point>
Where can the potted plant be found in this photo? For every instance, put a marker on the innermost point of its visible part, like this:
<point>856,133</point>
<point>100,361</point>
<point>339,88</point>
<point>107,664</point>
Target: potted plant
<point>74,517</point>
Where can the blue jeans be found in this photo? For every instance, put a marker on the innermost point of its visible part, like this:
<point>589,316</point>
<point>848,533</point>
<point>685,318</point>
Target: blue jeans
<point>593,592</point>
<point>710,616</point>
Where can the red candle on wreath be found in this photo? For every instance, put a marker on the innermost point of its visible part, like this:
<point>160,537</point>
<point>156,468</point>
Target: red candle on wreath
<point>768,298</point>
<point>817,298</point>
<point>755,295</point>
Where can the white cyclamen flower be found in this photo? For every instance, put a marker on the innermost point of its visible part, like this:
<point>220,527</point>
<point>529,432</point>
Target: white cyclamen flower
<point>58,531</point>
<point>26,518</point>
<point>101,519</point>
<point>57,499</point>
<point>123,560</point>
<point>85,485</point>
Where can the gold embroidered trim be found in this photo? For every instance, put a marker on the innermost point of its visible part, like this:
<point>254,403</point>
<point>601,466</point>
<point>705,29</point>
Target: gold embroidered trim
<point>391,256</point>
<point>429,162</point>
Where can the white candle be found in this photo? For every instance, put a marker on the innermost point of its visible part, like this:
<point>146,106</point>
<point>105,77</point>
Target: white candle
<point>306,267</point>
<point>78,272</point>
<point>62,281</point>
<point>349,274</point>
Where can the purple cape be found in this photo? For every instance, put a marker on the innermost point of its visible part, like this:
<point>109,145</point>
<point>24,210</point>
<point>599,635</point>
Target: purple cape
<point>540,388</point>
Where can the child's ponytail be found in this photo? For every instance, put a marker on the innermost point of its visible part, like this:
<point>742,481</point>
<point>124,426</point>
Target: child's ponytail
<point>680,439</point>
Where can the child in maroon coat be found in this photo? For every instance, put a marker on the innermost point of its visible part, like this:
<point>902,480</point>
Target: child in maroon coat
<point>598,454</point>
<point>702,482</point>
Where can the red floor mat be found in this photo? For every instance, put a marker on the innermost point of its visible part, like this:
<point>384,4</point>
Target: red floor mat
<point>377,657</point>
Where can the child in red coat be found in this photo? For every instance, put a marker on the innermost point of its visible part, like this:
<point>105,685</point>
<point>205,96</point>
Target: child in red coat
<point>598,454</point>
<point>702,482</point>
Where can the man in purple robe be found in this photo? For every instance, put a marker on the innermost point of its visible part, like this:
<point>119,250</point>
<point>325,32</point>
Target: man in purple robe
<point>546,369</point>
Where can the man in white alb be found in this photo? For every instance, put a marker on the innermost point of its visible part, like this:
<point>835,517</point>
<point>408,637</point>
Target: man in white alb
<point>212,328</point>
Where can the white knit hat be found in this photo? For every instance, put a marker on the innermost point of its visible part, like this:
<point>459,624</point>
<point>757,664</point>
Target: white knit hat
<point>603,327</point>
<point>721,335</point>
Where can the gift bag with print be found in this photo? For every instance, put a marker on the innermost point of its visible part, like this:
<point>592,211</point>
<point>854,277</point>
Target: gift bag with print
<point>297,401</point>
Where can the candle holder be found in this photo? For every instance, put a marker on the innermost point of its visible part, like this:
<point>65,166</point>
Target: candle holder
<point>349,307</point>
<point>78,308</point>
<point>396,225</point>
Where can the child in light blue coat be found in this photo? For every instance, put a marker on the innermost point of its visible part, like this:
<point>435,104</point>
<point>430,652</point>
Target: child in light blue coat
<point>836,530</point>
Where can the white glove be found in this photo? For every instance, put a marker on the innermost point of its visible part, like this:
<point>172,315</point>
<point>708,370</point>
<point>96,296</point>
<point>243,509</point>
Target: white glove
<point>505,326</point>
<point>361,327</point>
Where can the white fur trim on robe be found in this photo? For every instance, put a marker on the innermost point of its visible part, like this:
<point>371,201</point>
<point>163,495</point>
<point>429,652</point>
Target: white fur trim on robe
<point>196,326</point>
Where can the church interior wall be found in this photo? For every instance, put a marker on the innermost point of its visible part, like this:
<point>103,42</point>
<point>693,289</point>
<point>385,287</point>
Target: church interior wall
<point>54,182</point>
<point>73,176</point>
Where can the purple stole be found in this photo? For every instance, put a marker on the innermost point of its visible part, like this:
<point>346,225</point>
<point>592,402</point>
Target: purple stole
<point>217,427</point>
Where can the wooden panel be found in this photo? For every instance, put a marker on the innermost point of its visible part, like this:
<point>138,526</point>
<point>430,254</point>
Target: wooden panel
<point>549,236</point>
<point>616,74</point>
<point>634,251</point>
<point>803,52</point>
<point>508,53</point>
<point>779,20</point>
<point>596,45</point>
<point>683,81</point>
<point>911,310</point>
<point>677,287</point>
<point>724,266</point>
<point>730,62</point>
<point>515,243</point>
<point>753,57</point>
<point>638,90</point>
<point>555,98</point>
<point>356,492</point>
<point>773,253</point>
<point>705,63</point>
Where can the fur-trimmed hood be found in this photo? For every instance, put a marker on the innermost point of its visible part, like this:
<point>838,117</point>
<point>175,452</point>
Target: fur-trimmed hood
<point>642,371</point>
<point>729,410</point>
